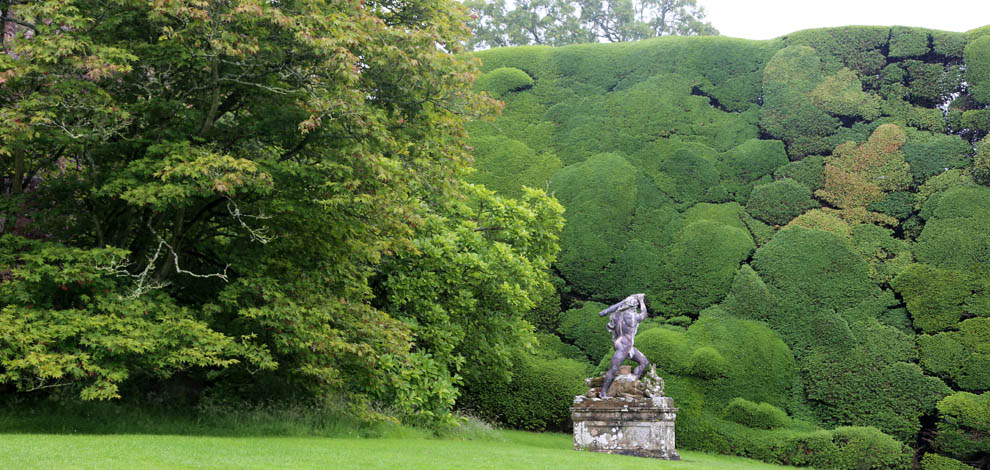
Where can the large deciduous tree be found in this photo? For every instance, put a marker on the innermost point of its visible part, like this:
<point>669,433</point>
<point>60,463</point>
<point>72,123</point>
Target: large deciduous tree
<point>223,186</point>
<point>559,22</point>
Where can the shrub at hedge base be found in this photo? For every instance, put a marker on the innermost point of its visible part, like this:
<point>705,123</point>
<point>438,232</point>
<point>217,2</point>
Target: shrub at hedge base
<point>867,447</point>
<point>756,415</point>
<point>845,448</point>
<point>538,398</point>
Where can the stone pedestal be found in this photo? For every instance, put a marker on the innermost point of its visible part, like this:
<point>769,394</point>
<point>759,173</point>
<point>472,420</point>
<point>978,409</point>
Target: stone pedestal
<point>641,426</point>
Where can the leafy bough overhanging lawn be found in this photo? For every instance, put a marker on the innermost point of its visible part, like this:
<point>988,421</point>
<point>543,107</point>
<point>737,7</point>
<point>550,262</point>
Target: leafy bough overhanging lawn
<point>510,450</point>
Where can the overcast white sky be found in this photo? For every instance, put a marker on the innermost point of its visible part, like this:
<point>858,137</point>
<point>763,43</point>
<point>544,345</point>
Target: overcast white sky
<point>767,19</point>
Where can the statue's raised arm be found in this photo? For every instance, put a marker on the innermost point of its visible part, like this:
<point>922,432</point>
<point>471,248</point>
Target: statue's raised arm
<point>623,322</point>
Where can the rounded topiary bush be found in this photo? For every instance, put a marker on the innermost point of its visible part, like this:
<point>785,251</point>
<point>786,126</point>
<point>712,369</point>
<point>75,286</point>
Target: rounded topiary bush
<point>956,234</point>
<point>749,297</point>
<point>780,201</point>
<point>977,57</point>
<point>687,177</point>
<point>824,220</point>
<point>935,297</point>
<point>755,415</point>
<point>964,425</point>
<point>809,171</point>
<point>748,162</point>
<point>897,204</point>
<point>975,120</point>
<point>699,268</point>
<point>537,398</point>
<point>788,112</point>
<point>666,348</point>
<point>963,356</point>
<point>867,447</point>
<point>938,462</point>
<point>931,154</point>
<point>707,363</point>
<point>506,165</point>
<point>588,242</point>
<point>908,42</point>
<point>503,80</point>
<point>541,393</point>
<point>949,44</point>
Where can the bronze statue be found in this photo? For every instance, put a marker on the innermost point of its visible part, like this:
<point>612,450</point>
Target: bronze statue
<point>622,324</point>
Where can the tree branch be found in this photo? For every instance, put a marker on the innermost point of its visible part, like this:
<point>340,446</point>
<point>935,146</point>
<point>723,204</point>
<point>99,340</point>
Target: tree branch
<point>7,19</point>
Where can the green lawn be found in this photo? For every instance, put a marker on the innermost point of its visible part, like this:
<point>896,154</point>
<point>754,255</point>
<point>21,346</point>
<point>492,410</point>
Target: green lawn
<point>511,450</point>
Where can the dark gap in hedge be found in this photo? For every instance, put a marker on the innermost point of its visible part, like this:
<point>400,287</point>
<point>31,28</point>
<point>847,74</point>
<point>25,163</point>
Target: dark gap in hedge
<point>697,91</point>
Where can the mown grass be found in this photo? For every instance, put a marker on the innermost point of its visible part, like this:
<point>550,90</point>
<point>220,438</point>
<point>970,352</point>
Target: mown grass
<point>515,450</point>
<point>107,437</point>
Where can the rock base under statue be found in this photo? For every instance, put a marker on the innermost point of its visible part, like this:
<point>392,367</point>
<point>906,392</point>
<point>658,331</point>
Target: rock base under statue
<point>629,425</point>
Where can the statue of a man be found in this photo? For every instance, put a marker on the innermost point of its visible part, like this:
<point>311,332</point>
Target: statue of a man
<point>622,324</point>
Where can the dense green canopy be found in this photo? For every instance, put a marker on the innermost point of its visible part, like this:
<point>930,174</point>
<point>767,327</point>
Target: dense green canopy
<point>292,199</point>
<point>252,192</point>
<point>803,205</point>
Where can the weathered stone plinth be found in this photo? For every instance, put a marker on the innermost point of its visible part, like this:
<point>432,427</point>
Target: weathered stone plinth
<point>641,426</point>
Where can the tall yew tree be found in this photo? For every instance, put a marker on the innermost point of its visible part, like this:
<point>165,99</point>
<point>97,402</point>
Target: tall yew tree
<point>216,186</point>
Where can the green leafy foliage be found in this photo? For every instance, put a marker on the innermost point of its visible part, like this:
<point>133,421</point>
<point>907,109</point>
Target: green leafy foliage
<point>867,447</point>
<point>981,162</point>
<point>788,113</point>
<point>780,201</point>
<point>976,120</point>
<point>955,235</point>
<point>755,415</point>
<point>271,172</point>
<point>749,297</point>
<point>687,177</point>
<point>699,268</point>
<point>585,329</point>
<point>961,356</point>
<point>67,322</point>
<point>477,268</point>
<point>933,461</point>
<point>896,204</point>
<point>977,56</point>
<point>938,298</point>
<point>857,176</point>
<point>538,396</point>
<point>930,154</point>
<point>707,363</point>
<point>965,422</point>
<point>678,125</point>
<point>852,365</point>
<point>636,224</point>
<point>907,42</point>
<point>809,171</point>
<point>842,95</point>
<point>503,80</point>
<point>842,448</point>
<point>856,47</point>
<point>507,165</point>
<point>929,84</point>
<point>748,163</point>
<point>887,256</point>
<point>949,44</point>
<point>928,194</point>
